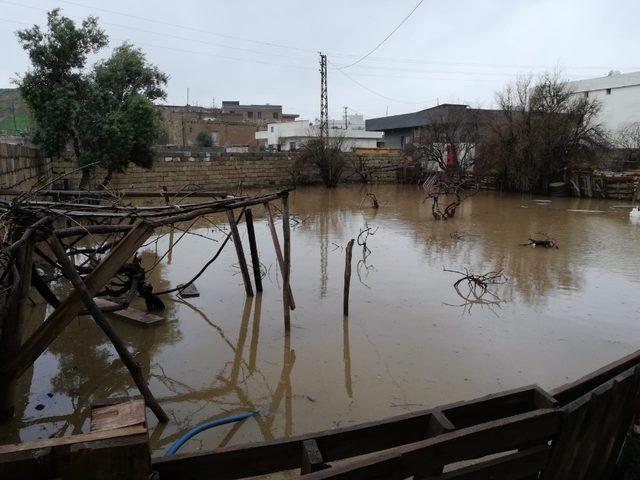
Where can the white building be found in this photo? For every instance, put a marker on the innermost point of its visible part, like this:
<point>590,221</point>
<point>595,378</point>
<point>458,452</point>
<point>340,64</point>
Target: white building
<point>291,135</point>
<point>619,97</point>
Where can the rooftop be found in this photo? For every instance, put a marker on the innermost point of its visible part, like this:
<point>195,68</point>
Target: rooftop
<point>446,111</point>
<point>613,80</point>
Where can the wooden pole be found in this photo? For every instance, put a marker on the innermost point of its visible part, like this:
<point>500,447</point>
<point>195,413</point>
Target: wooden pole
<point>286,239</point>
<point>134,369</point>
<point>240,252</point>
<point>255,260</point>
<point>12,325</point>
<point>347,277</point>
<point>276,246</point>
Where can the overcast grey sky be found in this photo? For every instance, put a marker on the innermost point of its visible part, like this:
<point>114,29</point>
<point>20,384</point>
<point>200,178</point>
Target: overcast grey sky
<point>458,51</point>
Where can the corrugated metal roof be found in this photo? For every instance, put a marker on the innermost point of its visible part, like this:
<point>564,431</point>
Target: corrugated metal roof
<point>445,112</point>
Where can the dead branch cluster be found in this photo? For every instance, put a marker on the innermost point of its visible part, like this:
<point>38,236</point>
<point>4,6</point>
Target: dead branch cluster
<point>450,190</point>
<point>363,237</point>
<point>477,289</point>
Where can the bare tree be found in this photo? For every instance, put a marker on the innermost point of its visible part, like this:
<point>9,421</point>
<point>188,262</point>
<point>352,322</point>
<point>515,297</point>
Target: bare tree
<point>543,129</point>
<point>327,155</point>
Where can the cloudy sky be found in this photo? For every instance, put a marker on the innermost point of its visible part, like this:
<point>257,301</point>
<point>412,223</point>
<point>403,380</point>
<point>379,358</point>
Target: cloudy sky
<point>253,51</point>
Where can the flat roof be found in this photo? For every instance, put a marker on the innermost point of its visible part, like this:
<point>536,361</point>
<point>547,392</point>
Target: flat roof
<point>615,80</point>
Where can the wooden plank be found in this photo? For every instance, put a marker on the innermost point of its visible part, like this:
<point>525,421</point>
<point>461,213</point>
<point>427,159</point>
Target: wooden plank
<point>276,246</point>
<point>286,274</point>
<point>83,437</point>
<point>138,317</point>
<point>336,444</point>
<point>242,263</point>
<point>38,342</point>
<point>516,466</point>
<point>104,304</point>
<point>190,291</point>
<point>465,444</point>
<point>109,454</point>
<point>253,248</point>
<point>573,390</point>
<point>495,406</point>
<point>347,277</point>
<point>311,458</point>
<point>118,416</point>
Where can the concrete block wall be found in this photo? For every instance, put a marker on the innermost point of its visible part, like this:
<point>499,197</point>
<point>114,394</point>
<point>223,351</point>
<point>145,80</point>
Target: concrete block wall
<point>207,171</point>
<point>21,166</point>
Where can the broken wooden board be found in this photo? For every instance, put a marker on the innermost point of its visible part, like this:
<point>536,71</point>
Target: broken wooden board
<point>119,415</point>
<point>104,304</point>
<point>138,317</point>
<point>189,291</point>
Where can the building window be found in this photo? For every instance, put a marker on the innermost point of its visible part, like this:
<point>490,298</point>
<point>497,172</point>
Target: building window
<point>271,129</point>
<point>292,146</point>
<point>586,94</point>
<point>259,114</point>
<point>608,91</point>
<point>275,115</point>
<point>249,114</point>
<point>214,138</point>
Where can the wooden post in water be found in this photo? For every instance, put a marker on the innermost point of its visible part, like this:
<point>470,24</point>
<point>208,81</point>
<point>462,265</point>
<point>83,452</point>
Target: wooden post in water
<point>286,239</point>
<point>253,247</point>
<point>85,296</point>
<point>240,252</point>
<point>276,246</point>
<point>347,277</point>
<point>12,325</point>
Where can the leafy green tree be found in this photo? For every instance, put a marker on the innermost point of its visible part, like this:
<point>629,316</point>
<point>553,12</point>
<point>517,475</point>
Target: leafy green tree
<point>106,114</point>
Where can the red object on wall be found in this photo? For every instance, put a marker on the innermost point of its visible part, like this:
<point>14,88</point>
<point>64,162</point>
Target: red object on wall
<point>451,154</point>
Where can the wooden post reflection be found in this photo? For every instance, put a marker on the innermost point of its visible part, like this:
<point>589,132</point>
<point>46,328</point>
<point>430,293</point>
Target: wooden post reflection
<point>170,254</point>
<point>255,332</point>
<point>346,351</point>
<point>242,336</point>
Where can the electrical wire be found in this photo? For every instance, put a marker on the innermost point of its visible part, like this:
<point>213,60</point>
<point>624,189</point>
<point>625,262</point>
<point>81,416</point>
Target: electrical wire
<point>385,38</point>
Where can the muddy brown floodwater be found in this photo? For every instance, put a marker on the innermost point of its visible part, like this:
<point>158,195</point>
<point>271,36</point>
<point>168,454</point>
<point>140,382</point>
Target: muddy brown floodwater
<point>409,343</point>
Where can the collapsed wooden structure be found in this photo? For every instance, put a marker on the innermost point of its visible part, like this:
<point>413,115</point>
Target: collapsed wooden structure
<point>576,431</point>
<point>51,231</point>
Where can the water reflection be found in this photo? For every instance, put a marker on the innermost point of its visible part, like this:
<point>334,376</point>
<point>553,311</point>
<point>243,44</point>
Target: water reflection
<point>562,313</point>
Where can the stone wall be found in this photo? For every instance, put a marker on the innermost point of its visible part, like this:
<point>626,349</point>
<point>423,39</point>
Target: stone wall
<point>204,170</point>
<point>22,166</point>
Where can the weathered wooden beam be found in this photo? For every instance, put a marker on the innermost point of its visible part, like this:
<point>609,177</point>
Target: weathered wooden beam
<point>311,458</point>
<point>253,247</point>
<point>286,240</point>
<point>347,277</point>
<point>38,342</point>
<point>14,315</point>
<point>102,321</point>
<point>242,262</point>
<point>336,444</point>
<point>276,246</point>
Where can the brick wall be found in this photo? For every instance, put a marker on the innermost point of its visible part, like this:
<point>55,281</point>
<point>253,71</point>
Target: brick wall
<point>22,166</point>
<point>175,169</point>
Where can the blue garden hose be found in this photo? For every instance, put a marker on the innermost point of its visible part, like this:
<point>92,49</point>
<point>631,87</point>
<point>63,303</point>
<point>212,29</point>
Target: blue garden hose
<point>205,426</point>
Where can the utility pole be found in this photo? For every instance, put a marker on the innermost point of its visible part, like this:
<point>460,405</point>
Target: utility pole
<point>346,122</point>
<point>187,95</point>
<point>324,100</point>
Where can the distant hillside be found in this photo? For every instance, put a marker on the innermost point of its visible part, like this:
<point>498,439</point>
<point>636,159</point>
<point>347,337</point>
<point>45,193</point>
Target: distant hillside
<point>10,99</point>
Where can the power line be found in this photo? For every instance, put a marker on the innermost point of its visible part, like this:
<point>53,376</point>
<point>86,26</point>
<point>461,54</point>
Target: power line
<point>387,37</point>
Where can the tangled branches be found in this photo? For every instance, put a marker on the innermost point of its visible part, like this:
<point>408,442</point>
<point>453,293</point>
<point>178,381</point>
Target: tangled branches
<point>363,236</point>
<point>437,186</point>
<point>475,289</point>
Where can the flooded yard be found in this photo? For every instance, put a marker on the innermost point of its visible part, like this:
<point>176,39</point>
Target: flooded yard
<point>410,341</point>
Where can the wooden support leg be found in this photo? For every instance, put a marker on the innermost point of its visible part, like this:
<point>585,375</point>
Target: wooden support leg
<point>86,298</point>
<point>15,315</point>
<point>255,261</point>
<point>311,458</point>
<point>240,252</point>
<point>347,277</point>
<point>286,239</point>
<point>276,246</point>
<point>46,333</point>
